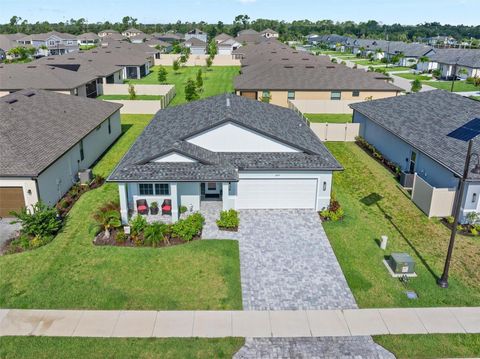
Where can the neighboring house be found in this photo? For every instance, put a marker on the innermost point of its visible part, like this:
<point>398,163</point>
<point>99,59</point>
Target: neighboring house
<point>46,138</point>
<point>222,37</point>
<point>170,37</point>
<point>461,63</point>
<point>249,37</point>
<point>162,46</point>
<point>227,47</point>
<point>104,71</point>
<point>133,58</point>
<point>15,77</point>
<point>269,33</point>
<point>8,42</point>
<point>243,153</point>
<point>132,32</point>
<point>108,32</point>
<point>410,54</point>
<point>411,131</point>
<point>138,39</point>
<point>111,39</point>
<point>280,83</point>
<point>196,34</point>
<point>196,46</point>
<point>441,41</point>
<point>88,39</point>
<point>51,43</point>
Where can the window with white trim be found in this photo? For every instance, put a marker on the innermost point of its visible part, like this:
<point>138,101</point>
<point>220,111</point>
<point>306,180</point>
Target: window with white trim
<point>162,189</point>
<point>336,95</point>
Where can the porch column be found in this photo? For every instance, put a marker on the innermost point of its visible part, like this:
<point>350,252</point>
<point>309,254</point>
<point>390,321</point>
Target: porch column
<point>138,72</point>
<point>122,190</point>
<point>173,194</point>
<point>225,201</point>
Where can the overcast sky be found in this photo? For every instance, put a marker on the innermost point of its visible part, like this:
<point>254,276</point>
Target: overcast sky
<point>162,11</point>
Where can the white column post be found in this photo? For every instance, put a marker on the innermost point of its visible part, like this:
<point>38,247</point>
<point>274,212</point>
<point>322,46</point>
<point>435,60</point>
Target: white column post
<point>225,201</point>
<point>174,195</point>
<point>122,189</point>
<point>138,72</point>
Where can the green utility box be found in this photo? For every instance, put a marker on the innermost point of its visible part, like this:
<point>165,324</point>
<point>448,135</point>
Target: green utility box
<point>401,263</point>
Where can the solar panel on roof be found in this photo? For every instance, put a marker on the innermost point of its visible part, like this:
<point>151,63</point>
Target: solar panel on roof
<point>468,131</point>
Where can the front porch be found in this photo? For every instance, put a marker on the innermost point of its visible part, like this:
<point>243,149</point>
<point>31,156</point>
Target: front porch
<point>176,197</point>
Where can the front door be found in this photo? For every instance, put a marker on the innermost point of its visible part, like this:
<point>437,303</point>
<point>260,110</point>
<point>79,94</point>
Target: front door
<point>211,189</point>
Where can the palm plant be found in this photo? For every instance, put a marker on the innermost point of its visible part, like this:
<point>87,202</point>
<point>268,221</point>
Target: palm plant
<point>108,218</point>
<point>155,233</point>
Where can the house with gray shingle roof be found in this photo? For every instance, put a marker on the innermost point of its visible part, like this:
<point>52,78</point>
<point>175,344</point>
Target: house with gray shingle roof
<point>46,139</point>
<point>243,153</point>
<point>411,131</point>
<point>51,43</point>
<point>459,62</point>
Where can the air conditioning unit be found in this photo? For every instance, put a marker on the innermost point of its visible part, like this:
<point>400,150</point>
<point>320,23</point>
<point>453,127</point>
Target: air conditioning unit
<point>85,176</point>
<point>401,263</point>
<point>406,179</point>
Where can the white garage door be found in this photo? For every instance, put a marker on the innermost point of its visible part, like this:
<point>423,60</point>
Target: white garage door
<point>276,193</point>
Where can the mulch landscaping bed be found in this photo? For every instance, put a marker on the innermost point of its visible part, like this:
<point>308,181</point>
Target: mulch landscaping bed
<point>465,231</point>
<point>100,240</point>
<point>65,204</point>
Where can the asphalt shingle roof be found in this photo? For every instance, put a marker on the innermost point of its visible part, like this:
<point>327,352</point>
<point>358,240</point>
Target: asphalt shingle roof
<point>41,126</point>
<point>463,57</point>
<point>423,120</point>
<point>41,76</point>
<point>170,129</point>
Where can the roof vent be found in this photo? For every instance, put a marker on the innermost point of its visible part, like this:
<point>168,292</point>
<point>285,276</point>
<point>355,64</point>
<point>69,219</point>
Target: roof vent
<point>29,94</point>
<point>309,67</point>
<point>71,58</point>
<point>31,67</point>
<point>10,101</point>
<point>50,58</point>
<point>288,66</point>
<point>330,67</point>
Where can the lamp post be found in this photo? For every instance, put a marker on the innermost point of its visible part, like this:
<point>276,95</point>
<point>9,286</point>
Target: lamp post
<point>454,73</point>
<point>465,133</point>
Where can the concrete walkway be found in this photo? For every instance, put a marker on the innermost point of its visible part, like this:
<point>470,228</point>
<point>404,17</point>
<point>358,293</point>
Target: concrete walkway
<point>251,324</point>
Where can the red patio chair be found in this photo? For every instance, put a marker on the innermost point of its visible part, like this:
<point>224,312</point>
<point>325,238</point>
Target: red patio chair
<point>167,206</point>
<point>142,206</point>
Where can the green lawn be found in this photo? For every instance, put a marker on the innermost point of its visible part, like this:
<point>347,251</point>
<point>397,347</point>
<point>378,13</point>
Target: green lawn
<point>367,62</point>
<point>328,117</point>
<point>355,240</point>
<point>72,273</point>
<point>412,77</point>
<point>432,345</point>
<point>100,348</point>
<point>216,81</point>
<point>475,98</point>
<point>459,86</point>
<point>127,97</point>
<point>396,68</point>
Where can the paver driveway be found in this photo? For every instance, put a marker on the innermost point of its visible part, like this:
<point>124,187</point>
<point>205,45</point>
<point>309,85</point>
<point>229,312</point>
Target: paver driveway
<point>286,261</point>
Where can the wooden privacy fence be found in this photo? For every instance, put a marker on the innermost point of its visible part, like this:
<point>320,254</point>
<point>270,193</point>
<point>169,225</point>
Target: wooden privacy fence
<point>434,202</point>
<point>342,132</point>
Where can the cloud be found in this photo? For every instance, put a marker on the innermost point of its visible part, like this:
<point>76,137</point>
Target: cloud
<point>247,1</point>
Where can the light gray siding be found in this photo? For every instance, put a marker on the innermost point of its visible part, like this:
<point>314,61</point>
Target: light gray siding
<point>57,179</point>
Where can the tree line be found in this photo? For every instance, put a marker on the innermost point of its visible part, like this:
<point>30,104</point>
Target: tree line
<point>288,30</point>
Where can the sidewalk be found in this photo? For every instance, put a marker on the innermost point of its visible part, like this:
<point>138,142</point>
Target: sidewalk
<point>252,324</point>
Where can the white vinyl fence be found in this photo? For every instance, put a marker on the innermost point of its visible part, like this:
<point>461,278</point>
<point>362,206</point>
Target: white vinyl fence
<point>344,132</point>
<point>167,93</point>
<point>434,202</point>
<point>323,106</point>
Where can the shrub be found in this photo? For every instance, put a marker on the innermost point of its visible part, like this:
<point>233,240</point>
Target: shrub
<point>121,237</point>
<point>334,212</point>
<point>474,231</point>
<point>137,225</point>
<point>186,229</point>
<point>183,209</point>
<point>42,221</point>
<point>155,233</point>
<point>228,219</point>
<point>131,92</point>
<point>450,219</point>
